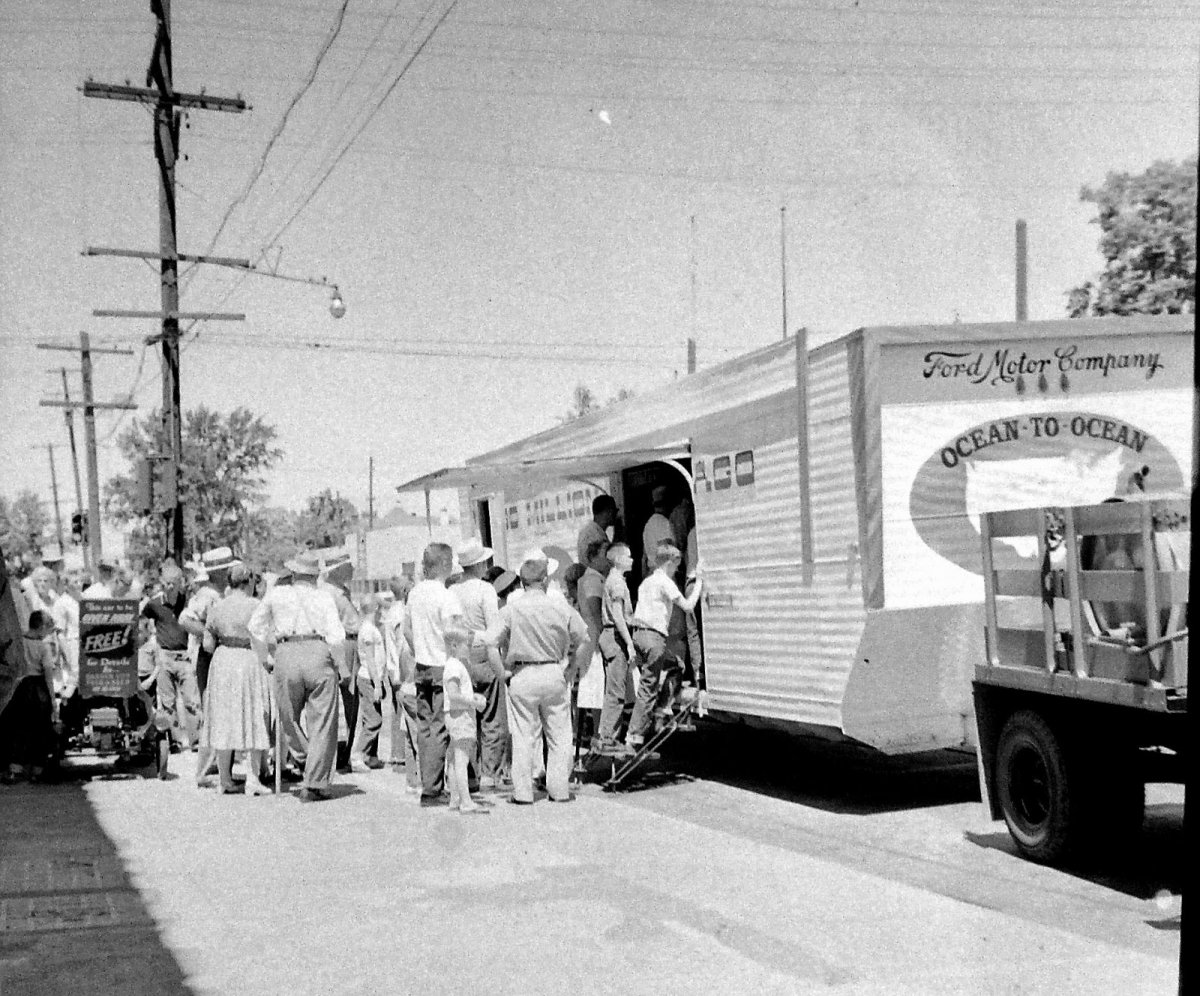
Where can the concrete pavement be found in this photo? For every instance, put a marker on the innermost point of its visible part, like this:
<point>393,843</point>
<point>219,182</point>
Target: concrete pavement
<point>368,893</point>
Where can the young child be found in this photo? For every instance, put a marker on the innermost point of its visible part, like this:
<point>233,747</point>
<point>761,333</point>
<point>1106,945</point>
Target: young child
<point>460,705</point>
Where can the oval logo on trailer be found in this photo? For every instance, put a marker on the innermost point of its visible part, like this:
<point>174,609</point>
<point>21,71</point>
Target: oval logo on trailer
<point>1039,458</point>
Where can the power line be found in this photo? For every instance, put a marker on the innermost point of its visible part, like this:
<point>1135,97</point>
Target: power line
<point>296,98</point>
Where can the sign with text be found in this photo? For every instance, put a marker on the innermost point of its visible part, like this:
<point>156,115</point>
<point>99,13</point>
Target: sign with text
<point>108,647</point>
<point>1037,370</point>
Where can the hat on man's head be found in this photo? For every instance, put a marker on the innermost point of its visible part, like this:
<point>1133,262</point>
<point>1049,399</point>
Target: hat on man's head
<point>338,568</point>
<point>306,565</point>
<point>536,553</point>
<point>503,581</point>
<point>219,559</point>
<point>534,571</point>
<point>471,552</point>
<point>52,558</point>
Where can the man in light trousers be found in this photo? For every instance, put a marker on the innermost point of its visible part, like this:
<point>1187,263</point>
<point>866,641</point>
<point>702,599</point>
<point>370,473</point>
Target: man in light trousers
<point>540,633</point>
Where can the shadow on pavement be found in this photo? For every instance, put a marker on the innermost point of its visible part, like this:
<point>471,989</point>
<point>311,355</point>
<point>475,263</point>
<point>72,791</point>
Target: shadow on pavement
<point>1154,863</point>
<point>71,922</point>
<point>837,777</point>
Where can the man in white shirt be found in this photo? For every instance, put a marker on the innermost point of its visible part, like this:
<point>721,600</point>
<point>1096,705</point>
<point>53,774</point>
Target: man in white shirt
<point>658,528</point>
<point>481,609</point>
<point>431,609</point>
<point>400,668</point>
<point>298,628</point>
<point>102,587</point>
<point>65,613</point>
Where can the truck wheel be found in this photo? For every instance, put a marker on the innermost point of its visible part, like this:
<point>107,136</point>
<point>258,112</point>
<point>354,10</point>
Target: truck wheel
<point>1035,790</point>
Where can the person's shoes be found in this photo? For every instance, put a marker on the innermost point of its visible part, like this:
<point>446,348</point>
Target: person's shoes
<point>539,783</point>
<point>345,769</point>
<point>230,790</point>
<point>312,795</point>
<point>434,801</point>
<point>292,775</point>
<point>475,811</point>
<point>373,763</point>
<point>568,798</point>
<point>520,802</point>
<point>257,788</point>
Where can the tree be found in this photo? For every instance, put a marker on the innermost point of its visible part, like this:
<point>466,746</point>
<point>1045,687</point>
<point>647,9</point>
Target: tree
<point>273,536</point>
<point>222,477</point>
<point>22,524</point>
<point>1148,240</point>
<point>326,521</point>
<point>584,400</point>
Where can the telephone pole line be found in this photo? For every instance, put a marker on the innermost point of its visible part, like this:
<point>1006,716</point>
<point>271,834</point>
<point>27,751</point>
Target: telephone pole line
<point>160,91</point>
<point>89,406</point>
<point>69,415</point>
<point>58,529</point>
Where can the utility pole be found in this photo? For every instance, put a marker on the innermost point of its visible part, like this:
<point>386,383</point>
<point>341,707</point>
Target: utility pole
<point>1022,272</point>
<point>62,548</point>
<point>370,493</point>
<point>783,262</point>
<point>89,406</point>
<point>691,356</point>
<point>69,415</point>
<point>160,91</point>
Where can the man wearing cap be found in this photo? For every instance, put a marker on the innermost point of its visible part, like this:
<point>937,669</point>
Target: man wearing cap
<point>211,578</point>
<point>432,608</point>
<point>177,688</point>
<point>541,633</point>
<point>102,587</point>
<point>604,515</point>
<point>336,576</point>
<point>481,609</point>
<point>297,626</point>
<point>658,528</point>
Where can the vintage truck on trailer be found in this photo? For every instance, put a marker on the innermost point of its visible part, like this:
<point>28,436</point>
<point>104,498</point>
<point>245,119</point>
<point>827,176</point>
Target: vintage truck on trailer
<point>838,492</point>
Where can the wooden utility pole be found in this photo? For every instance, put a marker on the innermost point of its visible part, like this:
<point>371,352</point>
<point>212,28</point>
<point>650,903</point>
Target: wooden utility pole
<point>69,415</point>
<point>1022,272</point>
<point>160,92</point>
<point>89,406</point>
<point>62,548</point>
<point>370,493</point>
<point>783,262</point>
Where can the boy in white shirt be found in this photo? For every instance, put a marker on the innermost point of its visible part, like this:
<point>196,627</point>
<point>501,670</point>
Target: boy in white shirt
<point>461,705</point>
<point>657,596</point>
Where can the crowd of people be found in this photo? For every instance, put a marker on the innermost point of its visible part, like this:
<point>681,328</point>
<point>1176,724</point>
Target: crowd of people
<point>477,668</point>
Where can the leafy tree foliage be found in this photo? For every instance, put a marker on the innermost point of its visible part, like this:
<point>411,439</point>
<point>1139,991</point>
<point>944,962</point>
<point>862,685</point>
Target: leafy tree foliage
<point>326,521</point>
<point>585,400</point>
<point>1148,240</point>
<point>222,479</point>
<point>23,520</point>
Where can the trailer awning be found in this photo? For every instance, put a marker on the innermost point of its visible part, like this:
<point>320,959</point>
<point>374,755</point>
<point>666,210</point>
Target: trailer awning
<point>523,473</point>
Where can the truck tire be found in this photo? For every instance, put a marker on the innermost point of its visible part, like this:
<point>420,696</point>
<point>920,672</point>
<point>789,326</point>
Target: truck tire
<point>1039,799</point>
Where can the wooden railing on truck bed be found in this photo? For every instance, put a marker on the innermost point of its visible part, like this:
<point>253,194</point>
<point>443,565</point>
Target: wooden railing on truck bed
<point>1129,558</point>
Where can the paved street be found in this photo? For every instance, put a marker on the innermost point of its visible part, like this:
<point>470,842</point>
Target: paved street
<point>783,881</point>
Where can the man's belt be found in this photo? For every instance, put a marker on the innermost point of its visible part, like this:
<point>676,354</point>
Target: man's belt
<point>529,663</point>
<point>298,638</point>
<point>177,653</point>
<point>650,629</point>
<point>237,642</point>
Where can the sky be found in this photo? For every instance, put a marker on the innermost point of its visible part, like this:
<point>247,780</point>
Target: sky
<point>547,195</point>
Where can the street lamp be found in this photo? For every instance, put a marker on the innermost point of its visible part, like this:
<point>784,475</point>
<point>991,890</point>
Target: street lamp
<point>337,307</point>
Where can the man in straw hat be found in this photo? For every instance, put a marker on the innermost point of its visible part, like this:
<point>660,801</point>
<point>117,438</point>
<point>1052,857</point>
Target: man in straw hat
<point>541,633</point>
<point>297,627</point>
<point>481,609</point>
<point>337,572</point>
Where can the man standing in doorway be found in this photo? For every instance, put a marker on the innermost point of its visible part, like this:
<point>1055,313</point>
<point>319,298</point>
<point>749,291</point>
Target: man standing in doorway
<point>604,516</point>
<point>657,529</point>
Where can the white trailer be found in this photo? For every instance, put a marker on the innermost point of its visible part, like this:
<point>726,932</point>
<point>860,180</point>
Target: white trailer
<point>837,497</point>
